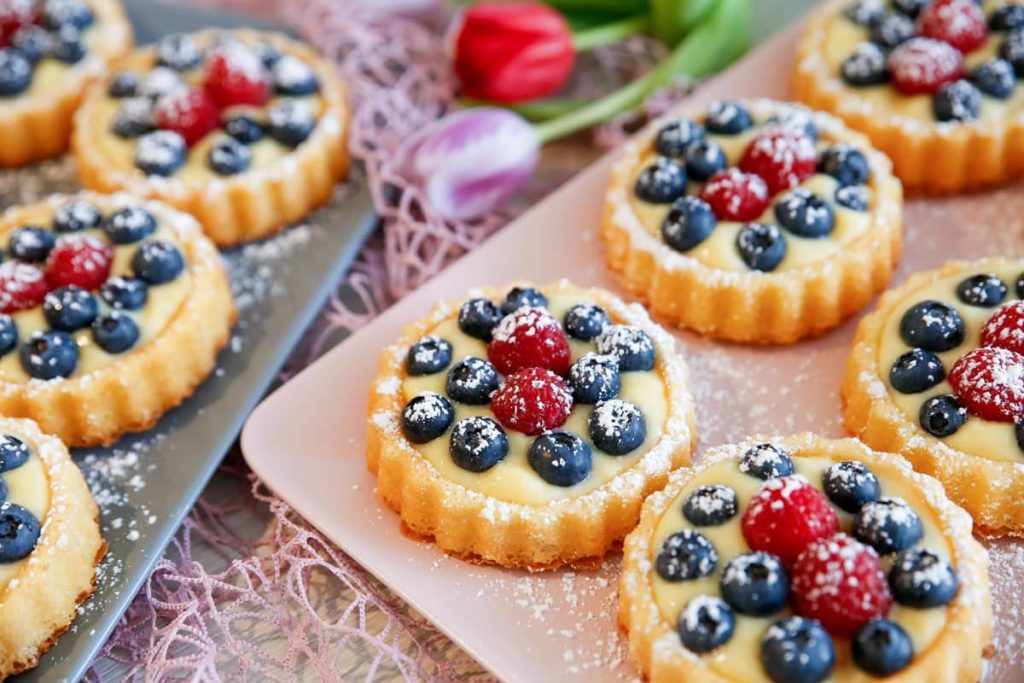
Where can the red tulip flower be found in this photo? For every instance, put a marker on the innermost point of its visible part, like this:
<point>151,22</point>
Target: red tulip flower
<point>512,51</point>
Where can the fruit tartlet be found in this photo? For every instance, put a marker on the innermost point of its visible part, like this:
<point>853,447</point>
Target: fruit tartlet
<point>754,221</point>
<point>525,426</point>
<point>802,559</point>
<point>934,84</point>
<point>937,375</point>
<point>245,130</point>
<point>50,543</point>
<point>112,311</point>
<point>50,51</point>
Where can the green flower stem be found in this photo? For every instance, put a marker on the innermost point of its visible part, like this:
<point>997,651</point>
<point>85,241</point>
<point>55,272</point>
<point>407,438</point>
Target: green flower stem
<point>610,33</point>
<point>533,110</point>
<point>619,8</point>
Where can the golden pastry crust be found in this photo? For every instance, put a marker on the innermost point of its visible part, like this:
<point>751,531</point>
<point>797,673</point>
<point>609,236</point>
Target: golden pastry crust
<point>40,602</point>
<point>39,127</point>
<point>765,308</point>
<point>248,206</point>
<point>954,656</point>
<point>533,536</point>
<point>990,490</point>
<point>928,156</point>
<point>132,394</point>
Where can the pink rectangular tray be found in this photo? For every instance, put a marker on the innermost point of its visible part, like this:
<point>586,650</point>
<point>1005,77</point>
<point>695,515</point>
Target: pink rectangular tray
<point>306,441</point>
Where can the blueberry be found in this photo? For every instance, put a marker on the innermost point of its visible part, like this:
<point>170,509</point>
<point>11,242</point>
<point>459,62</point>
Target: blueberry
<point>428,356</point>
<point>865,12</point>
<point>1020,286</point>
<point>159,82</point>
<point>160,153</point>
<point>228,156</point>
<point>60,13</point>
<point>755,584</point>
<point>704,159</point>
<point>133,118</point>
<point>157,262</point>
<point>478,444</point>
<point>689,222</point>
<point>846,164</point>
<point>585,321</point>
<point>244,128</point>
<point>727,118</point>
<point>676,136</point>
<point>804,213</point>
<point>888,525</point>
<point>762,247</point>
<point>293,77</point>
<point>594,378</point>
<point>797,650</point>
<point>560,458</point>
<point>798,119</point>
<point>31,243</point>
<point>985,290</point>
<point>1018,431</point>
<point>630,345</point>
<point>893,30</point>
<point>686,555</point>
<point>67,45</point>
<point>115,332</point>
<point>910,7</point>
<point>865,66</point>
<point>15,72</point>
<point>472,381</point>
<point>76,215</point>
<point>920,578</point>
<point>8,334</point>
<point>129,224</point>
<point>850,485</point>
<point>178,52</point>
<point>995,77</point>
<point>617,427</point>
<point>915,371</point>
<point>882,648</point>
<point>267,53</point>
<point>853,197</point>
<point>31,41</point>
<point>942,415</point>
<point>49,354</point>
<point>958,101</point>
<point>662,182</point>
<point>479,317</point>
<point>933,326</point>
<point>523,297</point>
<point>124,84</point>
<point>290,122</point>
<point>13,452</point>
<point>710,505</point>
<point>1007,18</point>
<point>19,532</point>
<point>427,417</point>
<point>705,623</point>
<point>70,308</point>
<point>124,294</point>
<point>766,461</point>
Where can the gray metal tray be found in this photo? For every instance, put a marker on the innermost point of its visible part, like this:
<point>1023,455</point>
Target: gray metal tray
<point>146,483</point>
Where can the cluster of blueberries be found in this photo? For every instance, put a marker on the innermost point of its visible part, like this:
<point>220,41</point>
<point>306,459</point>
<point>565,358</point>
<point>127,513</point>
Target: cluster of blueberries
<point>957,101</point>
<point>756,583</point>
<point>687,155</point>
<point>19,528</point>
<point>58,35</point>
<point>162,152</point>
<point>931,327</point>
<point>53,353</point>
<point>561,458</point>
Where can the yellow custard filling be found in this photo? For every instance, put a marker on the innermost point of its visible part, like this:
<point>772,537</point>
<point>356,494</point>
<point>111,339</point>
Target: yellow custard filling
<point>512,479</point>
<point>29,487</point>
<point>984,438</point>
<point>738,659</point>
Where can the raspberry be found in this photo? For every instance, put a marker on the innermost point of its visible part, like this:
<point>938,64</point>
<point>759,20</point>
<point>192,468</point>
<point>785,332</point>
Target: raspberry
<point>735,195</point>
<point>529,338</point>
<point>923,65</point>
<point>81,261</point>
<point>783,156</point>
<point>990,382</point>
<point>190,113</point>
<point>786,515</point>
<point>532,401</point>
<point>839,581</point>
<point>14,15</point>
<point>1005,328</point>
<point>236,76</point>
<point>21,286</point>
<point>960,23</point>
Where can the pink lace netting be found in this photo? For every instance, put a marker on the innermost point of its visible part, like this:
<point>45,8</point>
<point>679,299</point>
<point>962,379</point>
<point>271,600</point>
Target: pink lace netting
<point>286,604</point>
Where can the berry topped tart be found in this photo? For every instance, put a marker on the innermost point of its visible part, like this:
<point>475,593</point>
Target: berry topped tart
<point>112,311</point>
<point>243,129</point>
<point>50,543</point>
<point>937,375</point>
<point>754,221</point>
<point>525,426</point>
<point>933,83</point>
<point>804,559</point>
<point>50,51</point>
